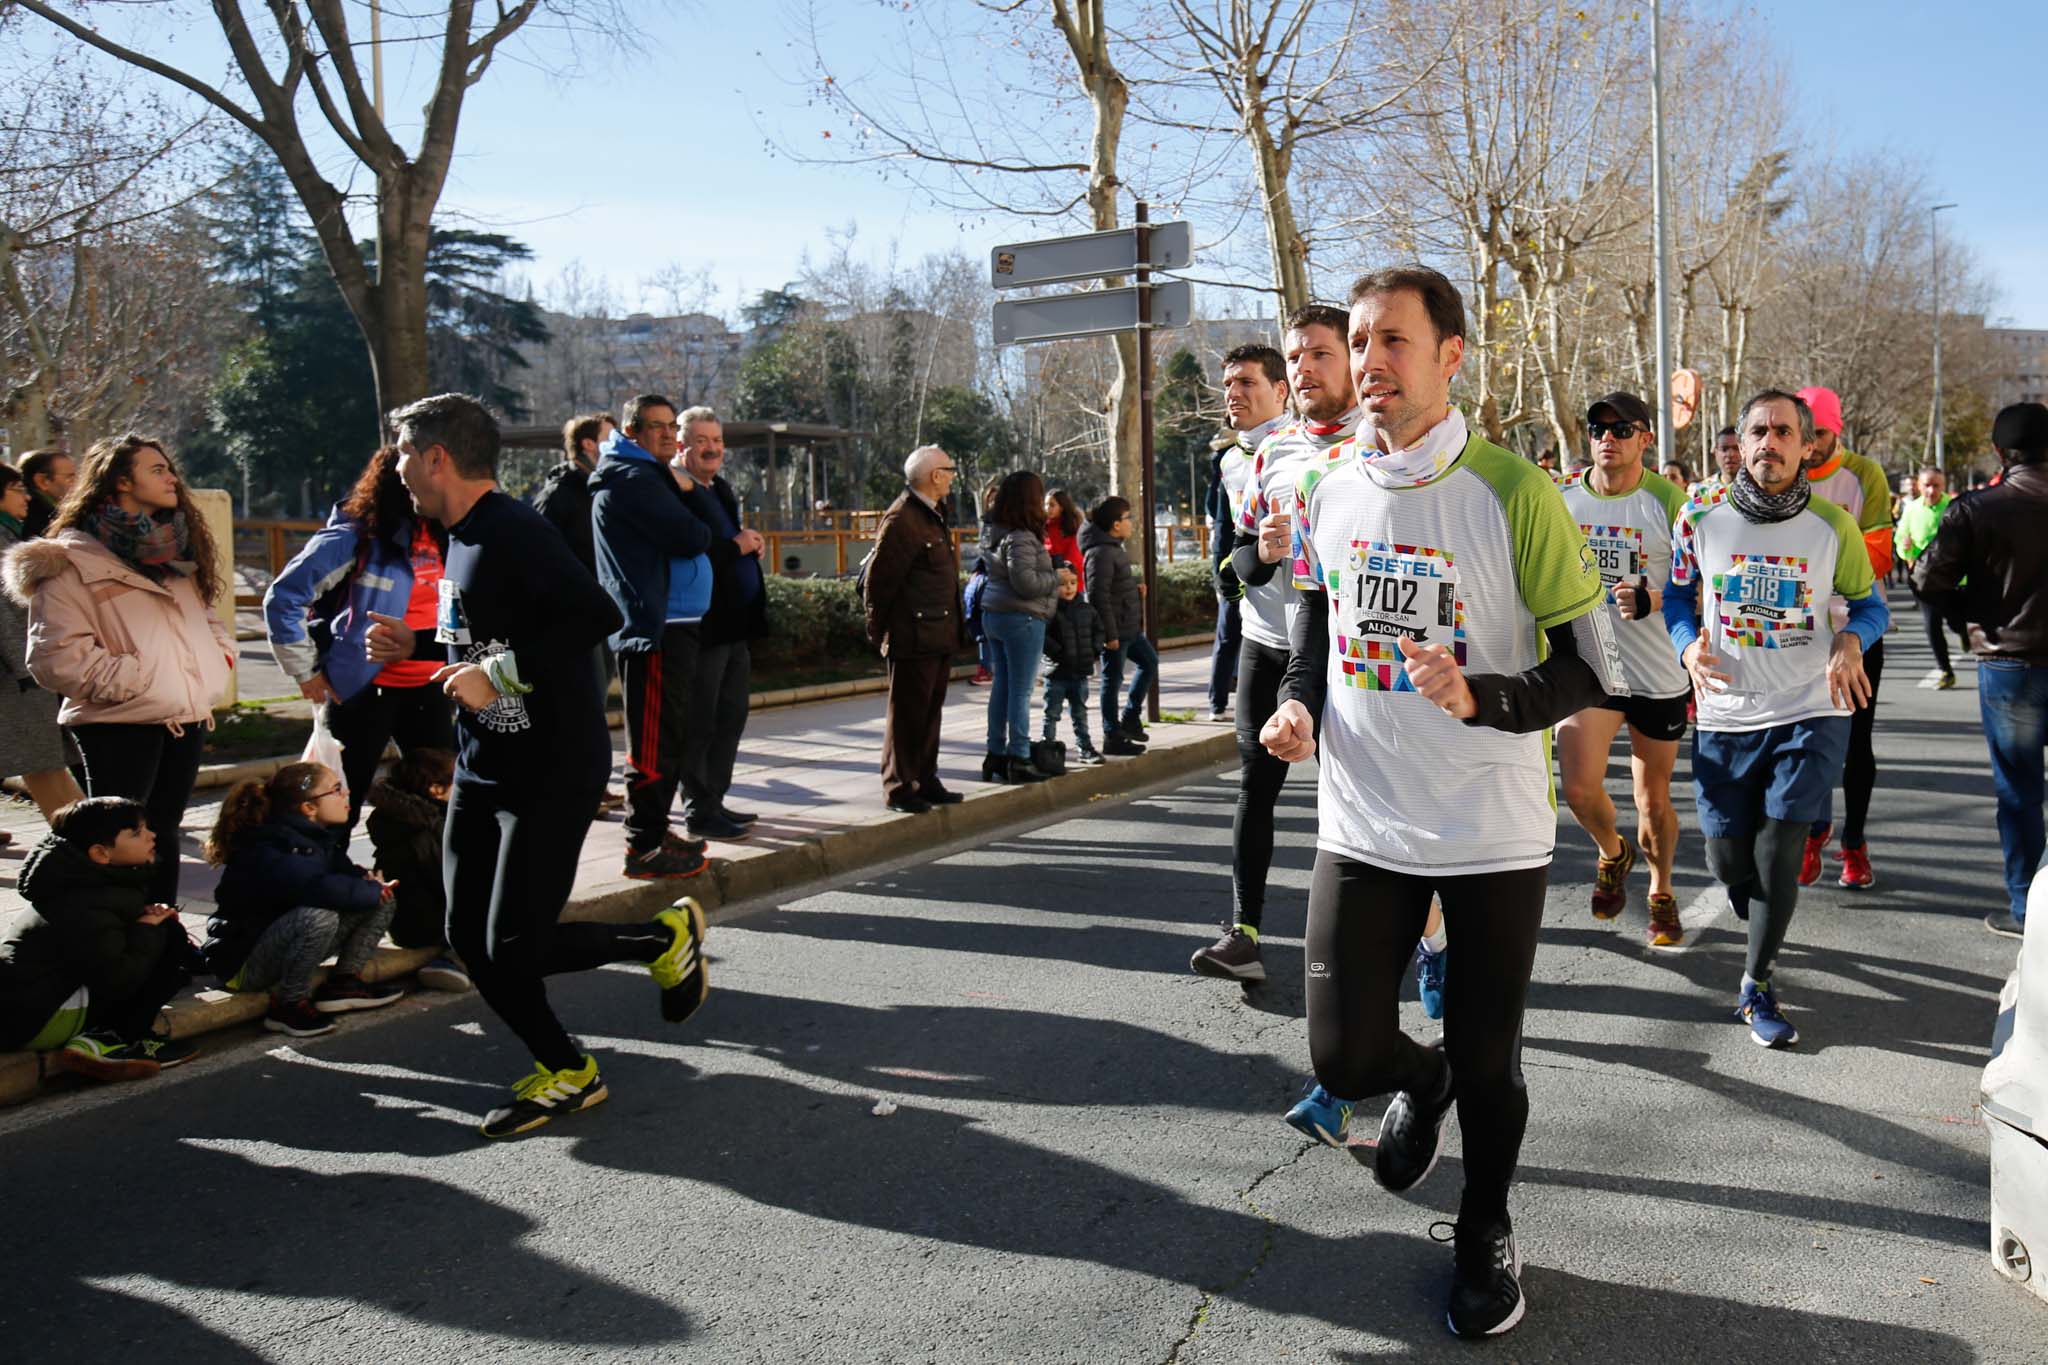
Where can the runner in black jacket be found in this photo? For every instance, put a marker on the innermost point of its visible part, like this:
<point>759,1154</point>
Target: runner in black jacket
<point>519,622</point>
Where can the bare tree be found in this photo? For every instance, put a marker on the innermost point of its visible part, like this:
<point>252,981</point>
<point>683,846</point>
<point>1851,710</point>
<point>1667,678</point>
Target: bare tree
<point>98,281</point>
<point>1288,72</point>
<point>965,147</point>
<point>309,49</point>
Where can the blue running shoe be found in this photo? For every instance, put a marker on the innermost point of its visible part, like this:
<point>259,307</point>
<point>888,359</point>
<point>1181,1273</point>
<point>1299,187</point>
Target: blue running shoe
<point>1429,978</point>
<point>1322,1116</point>
<point>1767,1027</point>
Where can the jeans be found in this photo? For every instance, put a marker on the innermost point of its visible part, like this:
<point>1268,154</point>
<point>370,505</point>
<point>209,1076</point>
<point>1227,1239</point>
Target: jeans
<point>1071,693</point>
<point>2013,698</point>
<point>1016,642</point>
<point>1140,652</point>
<point>1223,658</point>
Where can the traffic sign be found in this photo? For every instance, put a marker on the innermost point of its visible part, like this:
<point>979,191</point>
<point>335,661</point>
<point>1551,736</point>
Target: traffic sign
<point>1056,317</point>
<point>1056,260</point>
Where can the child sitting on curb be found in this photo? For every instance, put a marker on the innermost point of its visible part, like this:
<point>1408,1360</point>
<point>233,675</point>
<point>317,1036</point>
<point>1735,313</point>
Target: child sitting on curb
<point>409,808</point>
<point>1072,640</point>
<point>289,896</point>
<point>83,977</point>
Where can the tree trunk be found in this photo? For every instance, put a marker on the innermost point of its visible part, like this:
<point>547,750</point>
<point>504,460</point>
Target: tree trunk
<point>1285,246</point>
<point>1085,28</point>
<point>397,327</point>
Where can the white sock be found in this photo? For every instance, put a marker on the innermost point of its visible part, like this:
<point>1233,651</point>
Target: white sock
<point>1435,942</point>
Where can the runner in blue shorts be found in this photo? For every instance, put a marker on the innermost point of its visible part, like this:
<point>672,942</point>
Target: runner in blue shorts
<point>1776,682</point>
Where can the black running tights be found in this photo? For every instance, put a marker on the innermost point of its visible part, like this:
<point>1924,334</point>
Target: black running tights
<point>1363,922</point>
<point>1859,769</point>
<point>1260,671</point>
<point>1764,869</point>
<point>510,863</point>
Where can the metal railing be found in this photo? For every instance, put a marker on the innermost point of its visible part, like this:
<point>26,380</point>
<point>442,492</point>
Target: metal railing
<point>264,547</point>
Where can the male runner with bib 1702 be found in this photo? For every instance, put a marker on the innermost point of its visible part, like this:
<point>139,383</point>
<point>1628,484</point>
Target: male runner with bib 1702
<point>1450,616</point>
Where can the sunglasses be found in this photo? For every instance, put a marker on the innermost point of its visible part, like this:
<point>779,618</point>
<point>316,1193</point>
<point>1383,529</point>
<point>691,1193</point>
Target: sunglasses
<point>1621,431</point>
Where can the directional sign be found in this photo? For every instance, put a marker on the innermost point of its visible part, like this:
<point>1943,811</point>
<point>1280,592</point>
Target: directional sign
<point>1055,317</point>
<point>1056,260</point>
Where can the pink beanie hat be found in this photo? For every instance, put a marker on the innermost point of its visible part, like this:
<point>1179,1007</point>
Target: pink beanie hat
<point>1827,409</point>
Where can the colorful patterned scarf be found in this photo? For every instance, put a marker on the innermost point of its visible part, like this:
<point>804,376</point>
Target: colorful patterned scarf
<point>157,544</point>
<point>1422,463</point>
<point>1764,508</point>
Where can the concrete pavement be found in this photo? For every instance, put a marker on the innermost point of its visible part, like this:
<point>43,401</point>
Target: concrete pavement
<point>1084,1162</point>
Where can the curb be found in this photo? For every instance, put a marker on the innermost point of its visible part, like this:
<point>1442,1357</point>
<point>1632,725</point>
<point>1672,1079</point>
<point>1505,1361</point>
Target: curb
<point>214,775</point>
<point>788,871</point>
<point>202,1012</point>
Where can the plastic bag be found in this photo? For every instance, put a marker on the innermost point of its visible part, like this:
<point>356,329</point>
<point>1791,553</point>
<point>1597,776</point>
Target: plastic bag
<point>322,747</point>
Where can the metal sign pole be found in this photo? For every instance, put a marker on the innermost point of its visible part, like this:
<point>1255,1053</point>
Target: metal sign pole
<point>1145,447</point>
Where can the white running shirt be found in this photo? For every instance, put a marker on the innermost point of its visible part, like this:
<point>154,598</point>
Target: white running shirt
<point>1269,487</point>
<point>1630,537</point>
<point>1482,560</point>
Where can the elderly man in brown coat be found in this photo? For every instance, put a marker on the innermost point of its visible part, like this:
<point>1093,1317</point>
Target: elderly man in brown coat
<point>911,593</point>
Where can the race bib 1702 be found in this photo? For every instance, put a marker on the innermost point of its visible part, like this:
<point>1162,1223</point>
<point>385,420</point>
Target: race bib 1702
<point>1387,591</point>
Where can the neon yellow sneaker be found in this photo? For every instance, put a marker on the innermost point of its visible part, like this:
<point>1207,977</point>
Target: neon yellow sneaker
<point>680,971</point>
<point>545,1096</point>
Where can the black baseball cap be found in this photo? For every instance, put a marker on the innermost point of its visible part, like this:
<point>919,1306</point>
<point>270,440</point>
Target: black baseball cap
<point>2022,426</point>
<point>1629,406</point>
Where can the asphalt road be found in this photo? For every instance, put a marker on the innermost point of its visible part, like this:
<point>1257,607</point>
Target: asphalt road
<point>1085,1162</point>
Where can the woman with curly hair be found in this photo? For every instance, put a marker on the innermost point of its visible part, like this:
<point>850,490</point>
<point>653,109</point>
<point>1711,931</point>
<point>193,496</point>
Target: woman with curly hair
<point>121,624</point>
<point>373,555</point>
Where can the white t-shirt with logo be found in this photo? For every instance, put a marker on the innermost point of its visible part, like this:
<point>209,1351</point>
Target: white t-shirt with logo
<point>1764,591</point>
<point>1482,560</point>
<point>1630,536</point>
<point>1269,487</point>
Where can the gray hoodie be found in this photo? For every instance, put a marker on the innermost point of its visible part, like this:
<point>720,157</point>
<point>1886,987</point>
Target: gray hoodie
<point>1020,573</point>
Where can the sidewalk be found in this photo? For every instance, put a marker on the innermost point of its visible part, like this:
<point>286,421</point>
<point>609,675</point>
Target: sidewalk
<point>812,774</point>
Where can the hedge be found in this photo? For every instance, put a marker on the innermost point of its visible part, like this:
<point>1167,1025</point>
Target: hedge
<point>818,620</point>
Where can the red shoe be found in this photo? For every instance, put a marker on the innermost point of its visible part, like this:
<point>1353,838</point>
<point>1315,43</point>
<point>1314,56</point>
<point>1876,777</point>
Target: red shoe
<point>982,678</point>
<point>1856,871</point>
<point>1809,862</point>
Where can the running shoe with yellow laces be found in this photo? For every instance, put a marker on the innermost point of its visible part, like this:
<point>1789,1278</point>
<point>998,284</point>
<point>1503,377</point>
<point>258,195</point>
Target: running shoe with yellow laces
<point>1610,881</point>
<point>544,1096</point>
<point>680,970</point>
<point>1665,931</point>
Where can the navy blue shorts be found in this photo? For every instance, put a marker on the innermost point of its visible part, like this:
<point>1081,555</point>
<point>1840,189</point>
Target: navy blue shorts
<point>1786,772</point>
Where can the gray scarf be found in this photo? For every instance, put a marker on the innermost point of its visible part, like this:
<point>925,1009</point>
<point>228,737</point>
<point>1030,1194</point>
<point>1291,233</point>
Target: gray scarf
<point>1764,508</point>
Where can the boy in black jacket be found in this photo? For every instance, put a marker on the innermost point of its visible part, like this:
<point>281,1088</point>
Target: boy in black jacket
<point>83,977</point>
<point>1073,639</point>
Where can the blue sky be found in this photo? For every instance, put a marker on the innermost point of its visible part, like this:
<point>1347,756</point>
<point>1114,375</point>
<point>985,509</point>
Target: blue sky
<point>658,159</point>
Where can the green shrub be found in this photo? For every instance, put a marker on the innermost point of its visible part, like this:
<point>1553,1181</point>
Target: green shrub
<point>810,621</point>
<point>1187,598</point>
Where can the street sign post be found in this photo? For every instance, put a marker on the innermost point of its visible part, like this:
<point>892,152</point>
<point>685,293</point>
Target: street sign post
<point>1137,250</point>
<point>1058,317</point>
<point>1087,256</point>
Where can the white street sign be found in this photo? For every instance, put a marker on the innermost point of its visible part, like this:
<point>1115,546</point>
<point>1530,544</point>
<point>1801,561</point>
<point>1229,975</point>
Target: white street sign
<point>1056,260</point>
<point>1055,317</point>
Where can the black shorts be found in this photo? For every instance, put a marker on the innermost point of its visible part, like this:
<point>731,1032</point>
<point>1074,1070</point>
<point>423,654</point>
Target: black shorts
<point>1655,717</point>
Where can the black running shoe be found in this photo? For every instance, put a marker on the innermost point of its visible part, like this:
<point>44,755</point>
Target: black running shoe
<point>679,971</point>
<point>1486,1277</point>
<point>664,863</point>
<point>162,1049</point>
<point>542,1096</point>
<point>339,994</point>
<point>1411,1138</point>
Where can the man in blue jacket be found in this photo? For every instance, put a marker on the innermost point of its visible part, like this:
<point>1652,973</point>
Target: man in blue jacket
<point>651,560</point>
